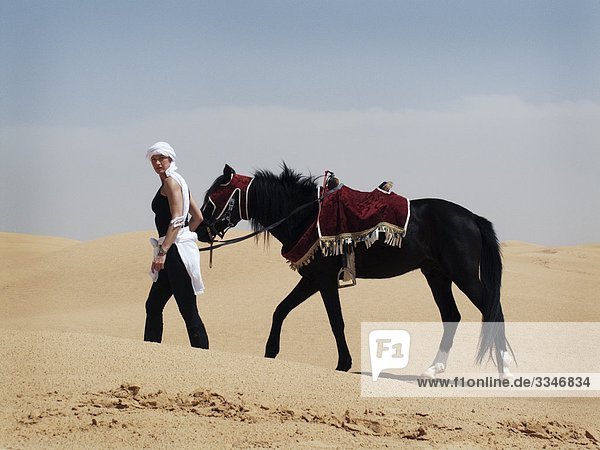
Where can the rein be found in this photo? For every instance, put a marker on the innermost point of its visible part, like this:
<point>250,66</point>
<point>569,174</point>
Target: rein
<point>273,225</point>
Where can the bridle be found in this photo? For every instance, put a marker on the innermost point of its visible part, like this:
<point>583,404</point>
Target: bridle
<point>236,188</point>
<point>226,214</point>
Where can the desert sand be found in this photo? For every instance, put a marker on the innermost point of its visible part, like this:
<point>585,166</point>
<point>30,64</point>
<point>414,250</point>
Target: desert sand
<point>76,372</point>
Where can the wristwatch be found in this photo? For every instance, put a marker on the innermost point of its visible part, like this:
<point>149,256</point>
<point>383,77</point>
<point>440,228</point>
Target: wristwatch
<point>161,251</point>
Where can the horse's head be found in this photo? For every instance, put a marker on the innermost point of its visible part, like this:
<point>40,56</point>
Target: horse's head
<point>225,204</point>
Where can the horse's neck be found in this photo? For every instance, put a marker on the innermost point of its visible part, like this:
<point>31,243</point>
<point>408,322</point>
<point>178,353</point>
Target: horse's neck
<point>268,206</point>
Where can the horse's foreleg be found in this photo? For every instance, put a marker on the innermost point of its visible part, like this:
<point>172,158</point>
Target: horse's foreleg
<point>441,288</point>
<point>331,299</point>
<point>303,290</point>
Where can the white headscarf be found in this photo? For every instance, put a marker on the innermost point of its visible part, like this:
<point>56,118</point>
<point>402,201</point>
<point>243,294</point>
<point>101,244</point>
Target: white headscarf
<point>162,148</point>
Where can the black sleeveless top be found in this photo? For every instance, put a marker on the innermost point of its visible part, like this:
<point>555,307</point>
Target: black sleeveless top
<point>162,217</point>
<point>162,213</point>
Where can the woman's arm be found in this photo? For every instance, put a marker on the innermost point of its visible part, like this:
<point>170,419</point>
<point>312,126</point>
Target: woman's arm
<point>197,218</point>
<point>173,191</point>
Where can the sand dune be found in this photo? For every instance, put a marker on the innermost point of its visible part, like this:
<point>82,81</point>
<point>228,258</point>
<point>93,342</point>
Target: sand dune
<point>21,247</point>
<point>78,374</point>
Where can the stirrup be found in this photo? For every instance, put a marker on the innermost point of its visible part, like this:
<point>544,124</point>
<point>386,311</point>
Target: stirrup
<point>345,274</point>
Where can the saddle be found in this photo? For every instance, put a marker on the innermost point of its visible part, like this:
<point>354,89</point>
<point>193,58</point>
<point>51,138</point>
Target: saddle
<point>348,217</point>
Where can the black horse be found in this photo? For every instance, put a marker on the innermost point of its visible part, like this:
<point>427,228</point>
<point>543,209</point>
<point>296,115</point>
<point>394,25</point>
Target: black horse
<point>448,243</point>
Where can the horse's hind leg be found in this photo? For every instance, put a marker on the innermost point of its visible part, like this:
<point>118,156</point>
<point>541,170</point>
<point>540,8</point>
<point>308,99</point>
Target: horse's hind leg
<point>441,288</point>
<point>331,299</point>
<point>303,290</point>
<point>473,289</point>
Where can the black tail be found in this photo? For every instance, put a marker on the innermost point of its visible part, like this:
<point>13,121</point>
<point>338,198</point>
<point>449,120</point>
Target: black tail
<point>492,338</point>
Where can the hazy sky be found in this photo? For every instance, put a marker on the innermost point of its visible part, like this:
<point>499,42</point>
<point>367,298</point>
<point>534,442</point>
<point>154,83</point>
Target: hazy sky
<point>493,105</point>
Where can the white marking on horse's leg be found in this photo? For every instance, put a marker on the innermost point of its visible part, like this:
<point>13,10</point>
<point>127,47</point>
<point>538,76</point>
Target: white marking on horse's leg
<point>438,365</point>
<point>506,360</point>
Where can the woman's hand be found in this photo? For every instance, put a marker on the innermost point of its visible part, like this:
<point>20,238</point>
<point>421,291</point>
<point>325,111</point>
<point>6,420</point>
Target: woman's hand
<point>158,263</point>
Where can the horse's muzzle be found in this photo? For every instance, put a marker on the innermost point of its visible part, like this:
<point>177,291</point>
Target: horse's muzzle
<point>206,232</point>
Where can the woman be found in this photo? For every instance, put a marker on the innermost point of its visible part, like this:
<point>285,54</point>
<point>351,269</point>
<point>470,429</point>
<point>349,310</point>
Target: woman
<point>176,262</point>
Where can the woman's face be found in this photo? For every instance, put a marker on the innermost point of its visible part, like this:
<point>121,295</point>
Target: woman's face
<point>160,163</point>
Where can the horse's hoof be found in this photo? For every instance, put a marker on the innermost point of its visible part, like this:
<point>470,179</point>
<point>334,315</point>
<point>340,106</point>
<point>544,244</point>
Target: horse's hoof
<point>270,353</point>
<point>429,373</point>
<point>433,370</point>
<point>271,348</point>
<point>506,375</point>
<point>344,367</point>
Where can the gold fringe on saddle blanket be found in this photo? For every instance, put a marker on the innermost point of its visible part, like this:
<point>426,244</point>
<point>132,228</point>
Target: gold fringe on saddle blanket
<point>348,217</point>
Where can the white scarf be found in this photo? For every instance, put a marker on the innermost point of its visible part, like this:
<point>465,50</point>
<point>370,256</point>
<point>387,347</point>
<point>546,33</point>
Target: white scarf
<point>162,148</point>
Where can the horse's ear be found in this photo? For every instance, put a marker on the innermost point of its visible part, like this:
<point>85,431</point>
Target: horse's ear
<point>228,171</point>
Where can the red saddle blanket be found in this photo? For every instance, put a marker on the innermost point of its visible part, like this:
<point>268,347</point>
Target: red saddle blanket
<point>347,217</point>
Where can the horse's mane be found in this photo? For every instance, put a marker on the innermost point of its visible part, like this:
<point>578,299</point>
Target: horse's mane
<point>279,195</point>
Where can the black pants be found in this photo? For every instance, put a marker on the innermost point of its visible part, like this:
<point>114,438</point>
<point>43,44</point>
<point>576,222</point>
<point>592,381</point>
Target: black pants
<point>174,280</point>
